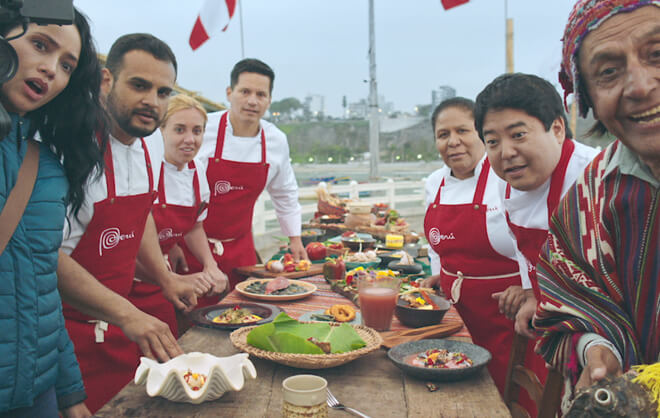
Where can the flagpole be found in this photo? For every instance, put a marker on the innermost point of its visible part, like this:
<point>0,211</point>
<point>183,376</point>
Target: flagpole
<point>240,17</point>
<point>508,38</point>
<point>374,128</point>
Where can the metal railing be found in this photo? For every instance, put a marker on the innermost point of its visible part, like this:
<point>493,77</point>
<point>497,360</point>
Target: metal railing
<point>407,197</point>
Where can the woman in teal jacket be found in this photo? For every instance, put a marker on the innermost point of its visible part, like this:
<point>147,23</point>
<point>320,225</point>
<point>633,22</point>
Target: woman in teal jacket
<point>55,92</point>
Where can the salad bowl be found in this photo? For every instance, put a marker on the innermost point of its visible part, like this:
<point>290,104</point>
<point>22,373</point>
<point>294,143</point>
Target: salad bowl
<point>222,375</point>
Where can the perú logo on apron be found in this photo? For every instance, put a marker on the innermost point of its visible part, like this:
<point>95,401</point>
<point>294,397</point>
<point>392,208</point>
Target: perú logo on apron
<point>111,237</point>
<point>224,187</point>
<point>167,233</point>
<point>435,236</point>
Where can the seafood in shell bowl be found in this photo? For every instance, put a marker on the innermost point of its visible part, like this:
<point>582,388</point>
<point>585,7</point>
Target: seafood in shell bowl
<point>195,377</point>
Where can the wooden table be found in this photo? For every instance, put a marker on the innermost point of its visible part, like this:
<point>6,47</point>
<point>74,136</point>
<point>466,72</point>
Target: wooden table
<point>371,384</point>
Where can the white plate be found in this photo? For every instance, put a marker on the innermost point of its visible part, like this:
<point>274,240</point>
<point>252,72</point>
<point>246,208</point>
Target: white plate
<point>275,298</point>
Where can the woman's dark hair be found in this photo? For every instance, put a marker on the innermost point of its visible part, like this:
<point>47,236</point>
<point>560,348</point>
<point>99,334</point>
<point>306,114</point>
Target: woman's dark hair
<point>525,92</point>
<point>458,102</point>
<point>70,121</point>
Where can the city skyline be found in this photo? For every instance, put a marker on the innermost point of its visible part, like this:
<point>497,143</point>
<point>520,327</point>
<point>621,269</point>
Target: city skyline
<point>320,48</point>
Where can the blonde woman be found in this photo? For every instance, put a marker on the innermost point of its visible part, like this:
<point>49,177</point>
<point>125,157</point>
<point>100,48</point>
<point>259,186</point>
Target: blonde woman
<point>180,208</point>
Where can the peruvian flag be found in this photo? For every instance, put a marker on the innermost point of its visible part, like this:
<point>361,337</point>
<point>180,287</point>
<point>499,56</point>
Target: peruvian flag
<point>448,4</point>
<point>215,14</point>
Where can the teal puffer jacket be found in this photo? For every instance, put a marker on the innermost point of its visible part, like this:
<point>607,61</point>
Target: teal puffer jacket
<point>35,350</point>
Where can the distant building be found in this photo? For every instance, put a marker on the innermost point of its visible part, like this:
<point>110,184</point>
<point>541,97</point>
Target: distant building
<point>358,110</point>
<point>441,94</point>
<point>314,105</point>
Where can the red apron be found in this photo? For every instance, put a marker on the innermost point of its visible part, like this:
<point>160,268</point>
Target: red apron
<point>173,222</point>
<point>235,187</point>
<point>530,240</point>
<point>472,271</point>
<point>108,250</point>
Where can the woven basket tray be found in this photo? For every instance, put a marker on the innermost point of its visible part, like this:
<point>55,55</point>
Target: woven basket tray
<point>309,361</point>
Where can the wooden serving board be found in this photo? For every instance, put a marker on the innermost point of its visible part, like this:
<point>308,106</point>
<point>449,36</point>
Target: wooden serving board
<point>260,271</point>
<point>392,338</point>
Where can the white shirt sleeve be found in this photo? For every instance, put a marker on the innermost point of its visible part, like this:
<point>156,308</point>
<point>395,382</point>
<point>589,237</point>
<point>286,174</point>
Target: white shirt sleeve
<point>281,183</point>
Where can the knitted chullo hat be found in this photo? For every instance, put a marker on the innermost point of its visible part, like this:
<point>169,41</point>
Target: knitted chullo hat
<point>586,16</point>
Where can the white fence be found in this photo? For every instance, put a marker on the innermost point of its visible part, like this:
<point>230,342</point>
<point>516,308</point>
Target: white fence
<point>407,197</point>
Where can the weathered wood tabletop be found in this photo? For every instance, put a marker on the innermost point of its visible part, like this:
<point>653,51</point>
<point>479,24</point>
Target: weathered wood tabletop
<point>371,384</point>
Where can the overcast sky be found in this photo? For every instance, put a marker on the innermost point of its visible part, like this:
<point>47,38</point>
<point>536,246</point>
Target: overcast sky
<point>320,46</point>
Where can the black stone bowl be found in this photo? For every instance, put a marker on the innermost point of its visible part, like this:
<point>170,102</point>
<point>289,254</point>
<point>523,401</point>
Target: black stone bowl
<point>416,318</point>
<point>405,268</point>
<point>479,355</point>
<point>357,244</point>
<point>311,235</point>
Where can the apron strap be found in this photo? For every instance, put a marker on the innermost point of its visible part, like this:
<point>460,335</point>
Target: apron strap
<point>161,185</point>
<point>480,189</point>
<point>263,146</point>
<point>437,195</point>
<point>147,159</point>
<point>109,168</point>
<point>558,176</point>
<point>220,143</point>
<point>481,183</point>
<point>198,194</point>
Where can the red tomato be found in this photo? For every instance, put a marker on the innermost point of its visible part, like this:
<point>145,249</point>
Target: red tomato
<point>316,251</point>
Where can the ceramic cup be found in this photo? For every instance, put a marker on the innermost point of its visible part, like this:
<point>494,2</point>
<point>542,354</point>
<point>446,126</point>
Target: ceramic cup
<point>304,396</point>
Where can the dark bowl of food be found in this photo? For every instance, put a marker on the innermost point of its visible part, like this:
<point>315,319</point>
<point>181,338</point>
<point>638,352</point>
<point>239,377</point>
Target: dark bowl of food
<point>357,243</point>
<point>463,359</point>
<point>405,268</point>
<point>414,314</point>
<point>311,235</point>
<point>331,219</point>
<point>388,256</point>
<point>233,316</point>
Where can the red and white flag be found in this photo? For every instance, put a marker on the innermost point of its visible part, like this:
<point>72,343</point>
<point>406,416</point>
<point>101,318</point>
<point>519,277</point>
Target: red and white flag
<point>448,4</point>
<point>215,14</point>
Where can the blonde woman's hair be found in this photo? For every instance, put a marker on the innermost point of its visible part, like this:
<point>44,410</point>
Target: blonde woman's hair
<point>183,102</point>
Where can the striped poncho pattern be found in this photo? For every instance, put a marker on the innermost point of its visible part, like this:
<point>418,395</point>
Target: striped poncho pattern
<point>600,268</point>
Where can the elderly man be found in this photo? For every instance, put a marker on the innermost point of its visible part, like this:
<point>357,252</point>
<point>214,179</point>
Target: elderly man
<point>600,268</point>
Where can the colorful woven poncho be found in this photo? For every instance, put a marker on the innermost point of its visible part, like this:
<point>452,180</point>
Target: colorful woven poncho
<point>586,16</point>
<point>600,268</point>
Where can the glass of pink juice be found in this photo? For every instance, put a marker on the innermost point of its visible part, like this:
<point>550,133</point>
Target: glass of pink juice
<point>377,300</point>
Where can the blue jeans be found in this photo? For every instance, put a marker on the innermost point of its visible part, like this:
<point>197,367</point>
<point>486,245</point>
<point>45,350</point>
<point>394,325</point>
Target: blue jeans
<point>44,406</point>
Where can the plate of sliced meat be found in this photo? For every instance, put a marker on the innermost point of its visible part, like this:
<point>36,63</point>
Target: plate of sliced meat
<point>277,289</point>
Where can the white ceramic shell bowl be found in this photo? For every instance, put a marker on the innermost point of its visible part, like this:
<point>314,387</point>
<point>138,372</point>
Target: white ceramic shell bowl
<point>223,374</point>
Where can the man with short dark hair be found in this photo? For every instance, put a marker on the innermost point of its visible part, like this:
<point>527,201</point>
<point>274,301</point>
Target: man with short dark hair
<point>243,155</point>
<point>114,227</point>
<point>522,122</point>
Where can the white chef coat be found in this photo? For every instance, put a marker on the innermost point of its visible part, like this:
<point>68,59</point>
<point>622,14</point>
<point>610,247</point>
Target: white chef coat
<point>131,178</point>
<point>281,182</point>
<point>529,209</point>
<point>458,192</point>
<point>178,185</point>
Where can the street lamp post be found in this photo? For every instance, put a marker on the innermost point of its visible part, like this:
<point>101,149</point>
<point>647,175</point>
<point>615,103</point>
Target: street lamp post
<point>373,99</point>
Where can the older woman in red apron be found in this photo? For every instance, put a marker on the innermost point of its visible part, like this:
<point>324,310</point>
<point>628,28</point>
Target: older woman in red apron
<point>466,228</point>
<point>180,209</point>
